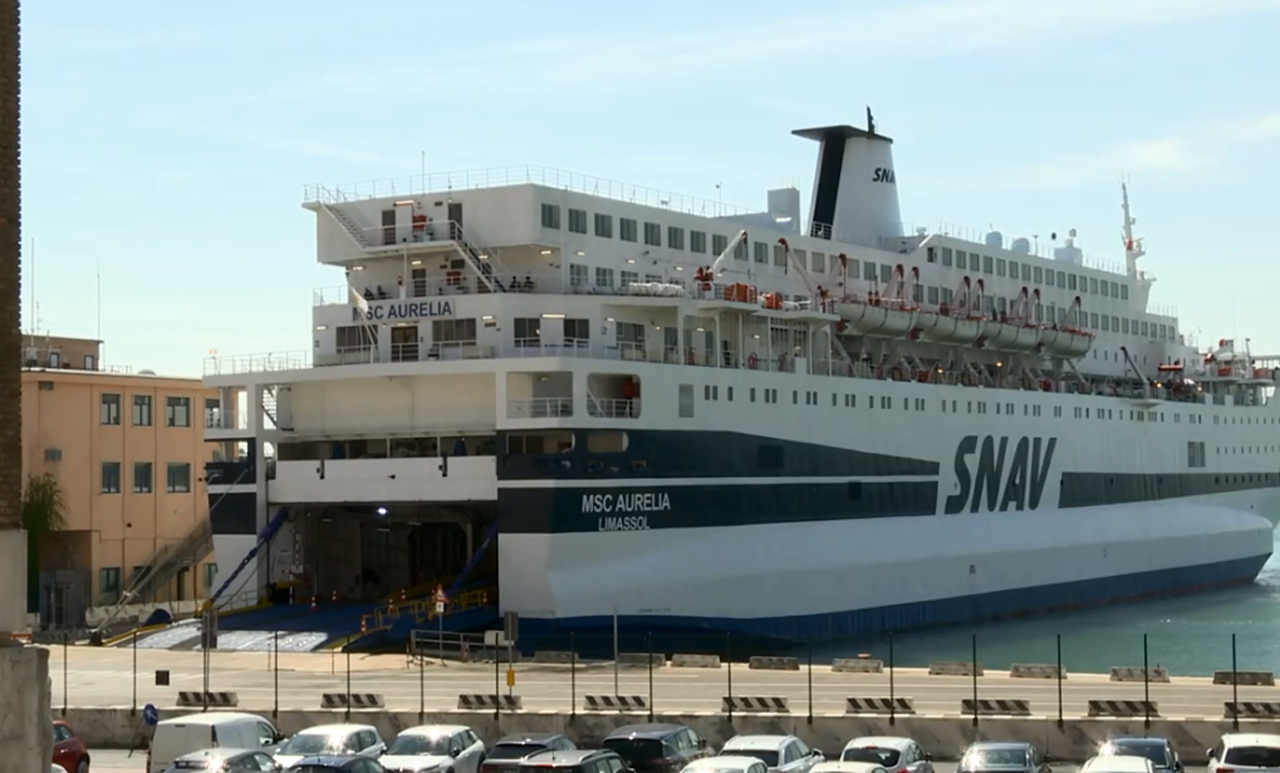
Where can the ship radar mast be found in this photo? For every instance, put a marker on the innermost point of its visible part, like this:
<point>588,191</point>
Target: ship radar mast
<point>1134,249</point>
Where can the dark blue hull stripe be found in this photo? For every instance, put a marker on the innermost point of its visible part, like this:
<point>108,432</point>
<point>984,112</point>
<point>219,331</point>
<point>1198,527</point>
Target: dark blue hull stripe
<point>903,617</point>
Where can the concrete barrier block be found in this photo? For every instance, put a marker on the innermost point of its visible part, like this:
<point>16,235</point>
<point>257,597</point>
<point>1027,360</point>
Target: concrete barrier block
<point>1125,709</point>
<point>857,666</point>
<point>695,661</point>
<point>772,663</point>
<point>473,702</point>
<point>955,668</point>
<point>553,656</point>
<point>879,706</point>
<point>221,700</point>
<point>356,700</point>
<point>1134,674</point>
<point>615,703</point>
<point>1251,709</point>
<point>1264,678</point>
<point>995,707</point>
<point>754,704</point>
<point>1035,671</point>
<point>642,659</point>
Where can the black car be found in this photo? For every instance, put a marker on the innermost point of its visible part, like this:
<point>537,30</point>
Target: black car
<point>1163,758</point>
<point>508,754</point>
<point>657,748</point>
<point>225,761</point>
<point>574,761</point>
<point>330,764</point>
<point>1003,757</point>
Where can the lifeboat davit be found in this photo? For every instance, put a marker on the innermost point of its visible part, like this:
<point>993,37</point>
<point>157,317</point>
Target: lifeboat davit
<point>1066,342</point>
<point>862,318</point>
<point>1010,336</point>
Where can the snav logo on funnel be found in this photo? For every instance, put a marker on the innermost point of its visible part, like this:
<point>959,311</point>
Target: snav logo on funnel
<point>1002,480</point>
<point>883,174</point>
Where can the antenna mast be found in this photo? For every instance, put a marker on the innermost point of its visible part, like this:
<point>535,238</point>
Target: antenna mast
<point>1132,247</point>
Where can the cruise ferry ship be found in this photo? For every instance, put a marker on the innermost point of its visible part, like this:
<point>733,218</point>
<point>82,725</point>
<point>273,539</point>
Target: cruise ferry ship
<point>600,402</point>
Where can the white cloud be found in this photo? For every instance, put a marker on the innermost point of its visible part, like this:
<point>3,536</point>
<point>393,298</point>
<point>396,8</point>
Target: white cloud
<point>308,147</point>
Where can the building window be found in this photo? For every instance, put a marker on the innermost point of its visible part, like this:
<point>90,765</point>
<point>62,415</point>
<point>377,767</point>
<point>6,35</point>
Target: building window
<point>110,478</point>
<point>1124,292</point>
<point>675,237</point>
<point>461,331</point>
<point>740,250</point>
<point>110,408</point>
<point>355,338</point>
<point>142,410</point>
<point>987,264</point>
<point>697,241</point>
<point>1000,266</point>
<point>869,272</point>
<point>653,234</point>
<point>1039,275</point>
<point>577,275</point>
<point>604,226</point>
<point>760,252</point>
<point>779,255</point>
<point>550,216</point>
<point>577,331</point>
<point>719,243</point>
<point>528,332</point>
<point>629,278</point>
<point>577,221</point>
<point>626,229</point>
<point>818,261</point>
<point>177,411</point>
<point>1093,285</point>
<point>213,412</point>
<point>179,478</point>
<point>109,583</point>
<point>604,277</point>
<point>142,477</point>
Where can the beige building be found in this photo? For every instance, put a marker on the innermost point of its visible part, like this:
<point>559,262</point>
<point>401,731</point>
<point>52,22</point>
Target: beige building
<point>129,454</point>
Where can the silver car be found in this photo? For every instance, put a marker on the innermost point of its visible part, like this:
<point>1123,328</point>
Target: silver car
<point>331,741</point>
<point>435,749</point>
<point>893,752</point>
<point>781,753</point>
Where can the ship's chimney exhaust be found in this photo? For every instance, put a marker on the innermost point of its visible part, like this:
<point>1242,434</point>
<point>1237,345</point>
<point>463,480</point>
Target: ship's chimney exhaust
<point>855,188</point>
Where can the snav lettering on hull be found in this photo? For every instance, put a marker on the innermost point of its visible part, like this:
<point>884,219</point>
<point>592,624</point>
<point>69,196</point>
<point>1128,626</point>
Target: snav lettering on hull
<point>1002,480</point>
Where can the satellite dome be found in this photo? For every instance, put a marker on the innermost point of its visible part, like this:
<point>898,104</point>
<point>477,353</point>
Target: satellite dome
<point>147,372</point>
<point>1021,245</point>
<point>995,239</point>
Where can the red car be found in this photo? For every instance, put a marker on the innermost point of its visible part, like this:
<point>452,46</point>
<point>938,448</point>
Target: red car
<point>68,750</point>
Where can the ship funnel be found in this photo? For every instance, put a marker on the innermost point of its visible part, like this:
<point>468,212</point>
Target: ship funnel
<point>855,188</point>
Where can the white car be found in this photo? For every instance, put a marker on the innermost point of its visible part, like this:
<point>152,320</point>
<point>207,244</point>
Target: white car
<point>434,749</point>
<point>892,752</point>
<point>1118,763</point>
<point>848,767</point>
<point>1245,752</point>
<point>331,740</point>
<point>779,753</point>
<point>726,764</point>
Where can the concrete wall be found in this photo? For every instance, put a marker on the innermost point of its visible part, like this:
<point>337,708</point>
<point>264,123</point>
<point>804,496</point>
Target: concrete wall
<point>26,738</point>
<point>944,737</point>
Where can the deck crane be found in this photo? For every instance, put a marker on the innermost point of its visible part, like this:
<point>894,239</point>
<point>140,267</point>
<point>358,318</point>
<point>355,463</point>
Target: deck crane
<point>819,294</point>
<point>708,274</point>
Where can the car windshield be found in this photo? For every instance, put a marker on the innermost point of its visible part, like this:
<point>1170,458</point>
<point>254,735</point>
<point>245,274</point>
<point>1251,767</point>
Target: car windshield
<point>1007,758</point>
<point>419,744</point>
<point>635,749</point>
<point>513,751</point>
<point>1158,753</point>
<point>767,756</point>
<point>200,764</point>
<point>312,743</point>
<point>1253,756</point>
<point>872,754</point>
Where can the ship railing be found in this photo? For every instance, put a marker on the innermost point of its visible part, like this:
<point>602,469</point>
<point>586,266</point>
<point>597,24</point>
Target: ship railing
<point>230,365</point>
<point>497,177</point>
<point>540,408</point>
<point>613,408</point>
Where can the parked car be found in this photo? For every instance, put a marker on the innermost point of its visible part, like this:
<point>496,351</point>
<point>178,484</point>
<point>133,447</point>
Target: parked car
<point>175,737</point>
<point>506,754</point>
<point>1245,752</point>
<point>330,764</point>
<point>1117,763</point>
<point>1161,753</point>
<point>779,753</point>
<point>332,741</point>
<point>657,748</point>
<point>892,752</point>
<point>726,763</point>
<point>1003,756</point>
<point>68,750</point>
<point>435,749</point>
<point>225,761</point>
<point>574,761</point>
<point>848,767</point>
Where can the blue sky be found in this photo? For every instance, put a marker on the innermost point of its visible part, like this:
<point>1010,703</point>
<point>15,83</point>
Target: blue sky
<point>168,143</point>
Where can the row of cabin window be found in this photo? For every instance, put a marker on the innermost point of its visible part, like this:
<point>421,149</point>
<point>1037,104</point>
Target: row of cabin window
<point>177,410</point>
<point>177,478</point>
<point>1049,277</point>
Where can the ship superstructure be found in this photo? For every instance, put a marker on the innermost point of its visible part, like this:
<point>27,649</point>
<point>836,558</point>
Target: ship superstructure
<point>600,398</point>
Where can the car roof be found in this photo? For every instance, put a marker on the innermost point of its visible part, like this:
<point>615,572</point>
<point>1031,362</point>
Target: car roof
<point>1140,740</point>
<point>737,760</point>
<point>334,729</point>
<point>983,745</point>
<point>880,742</point>
<point>838,766</point>
<point>211,718</point>
<point>557,757</point>
<point>530,737</point>
<point>758,741</point>
<point>205,754</point>
<point>326,760</point>
<point>651,730</point>
<point>1250,739</point>
<point>1121,763</point>
<point>434,730</point>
